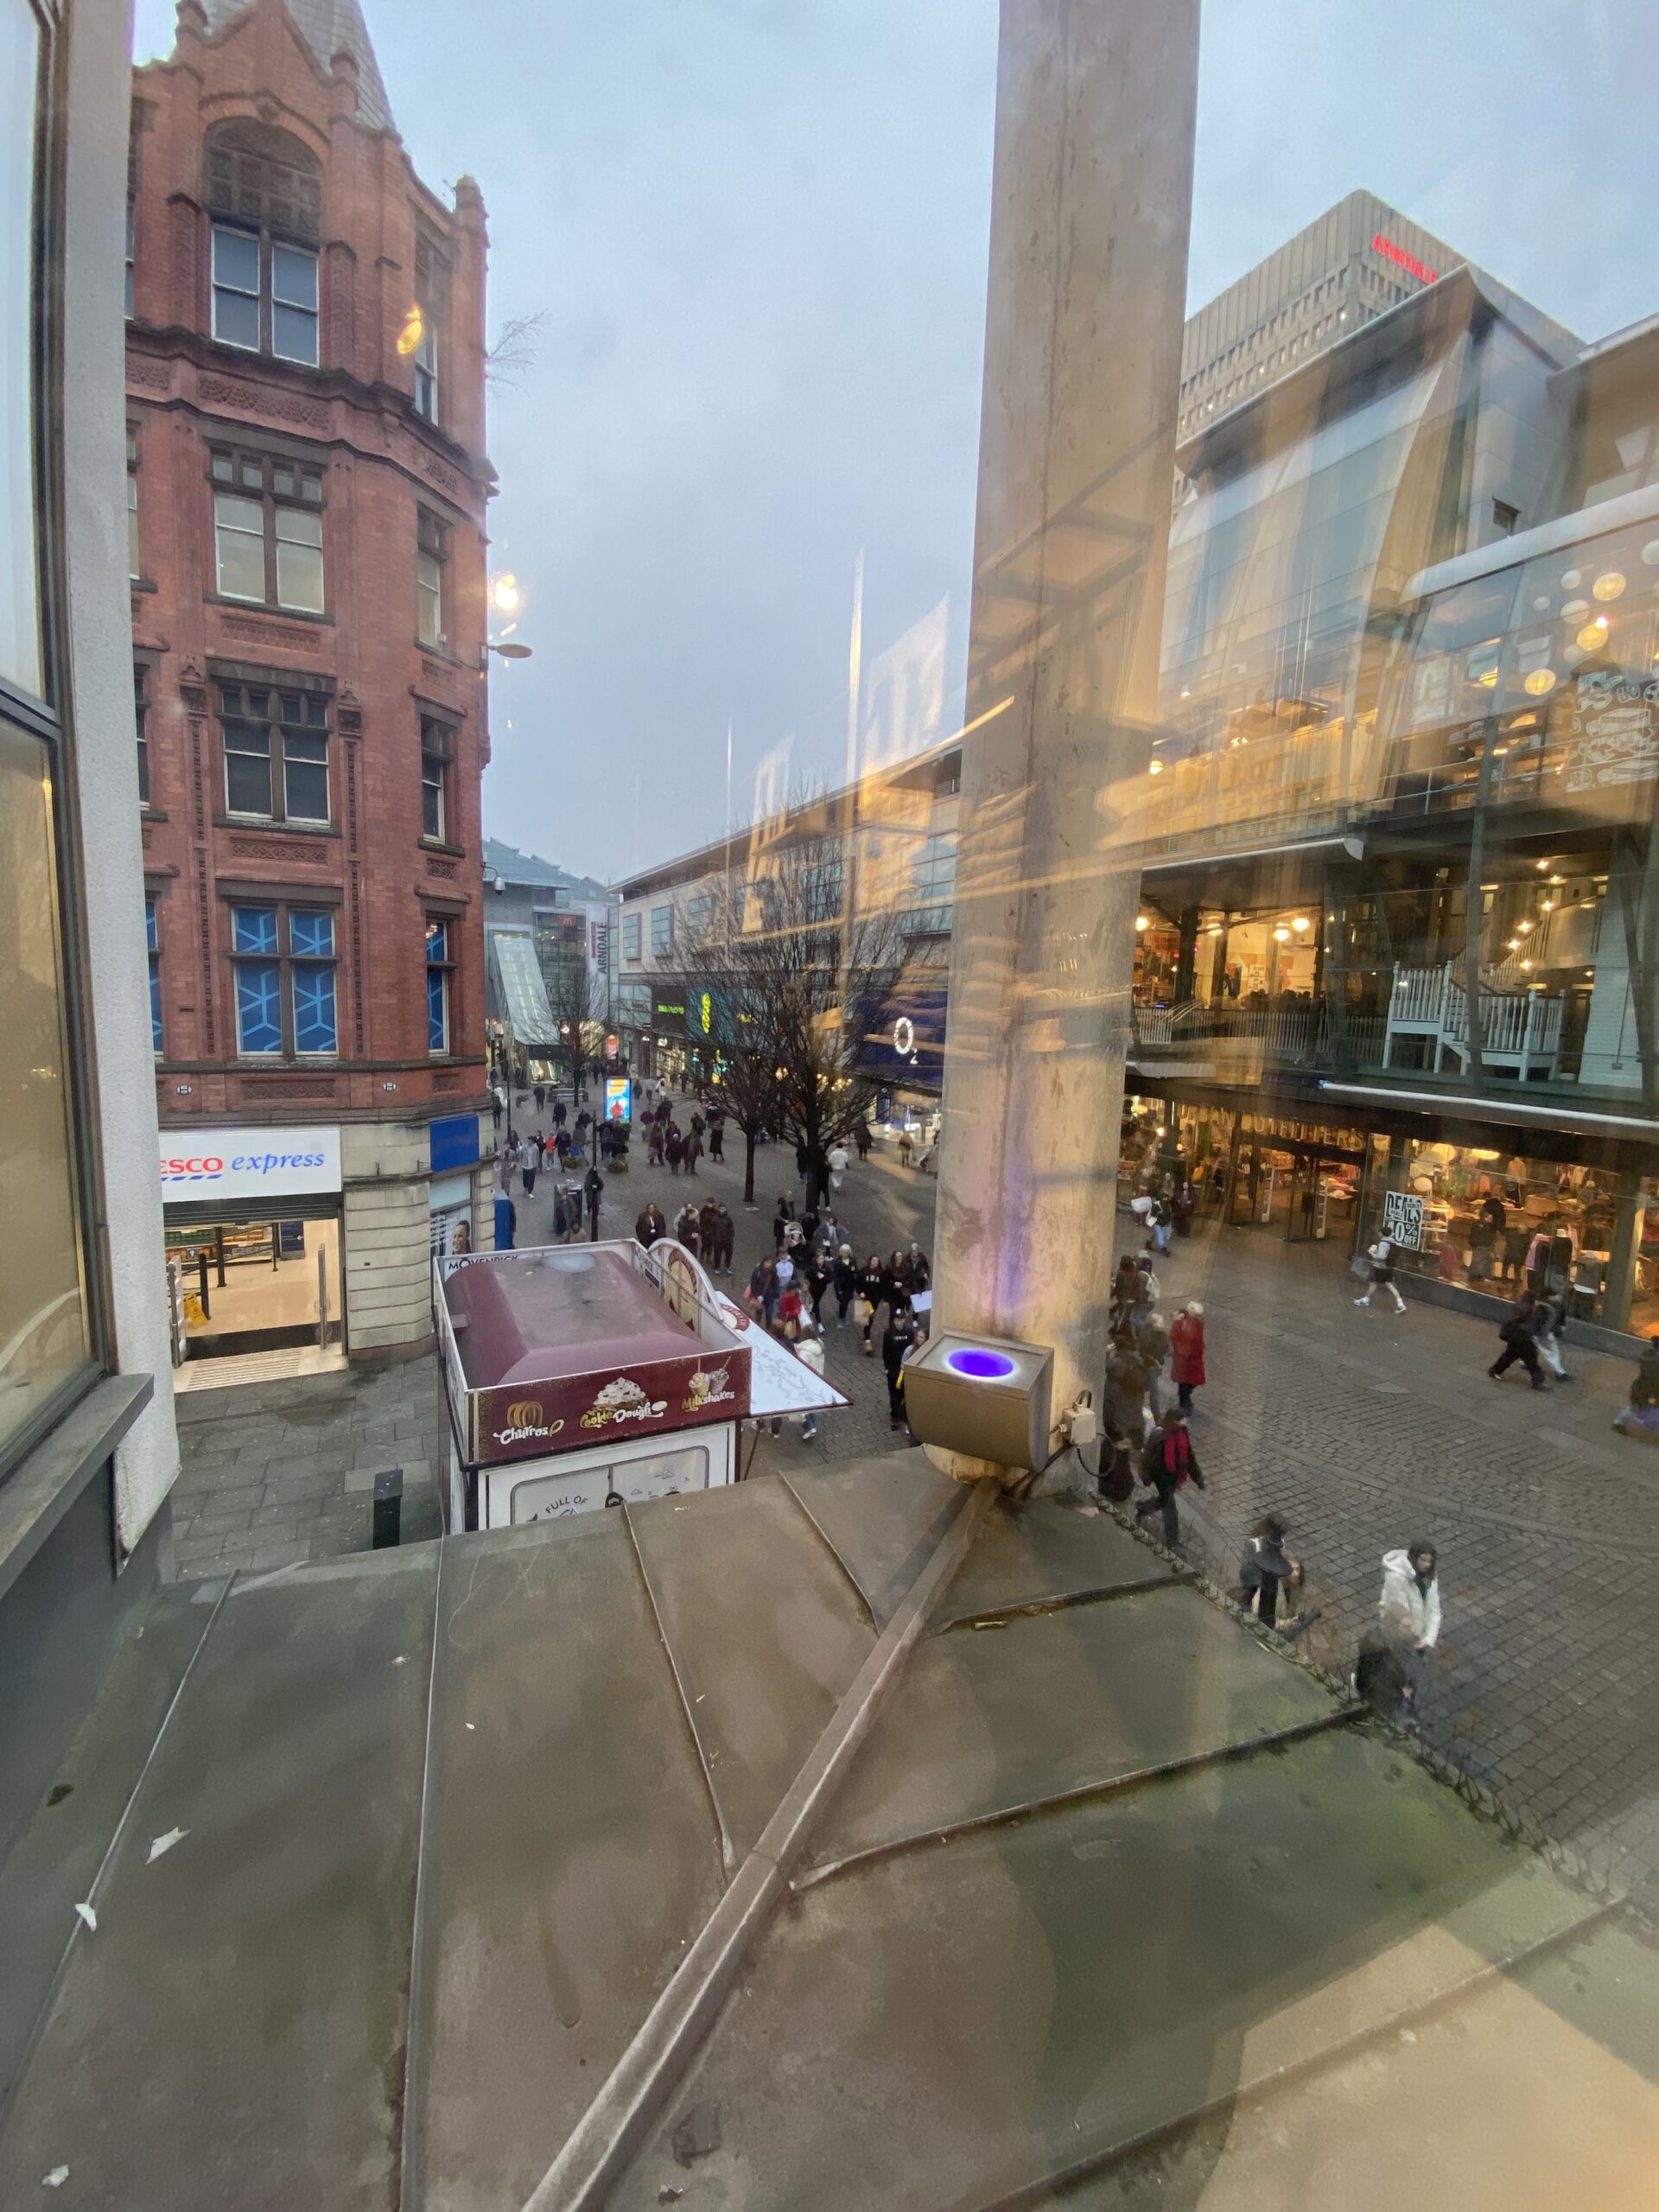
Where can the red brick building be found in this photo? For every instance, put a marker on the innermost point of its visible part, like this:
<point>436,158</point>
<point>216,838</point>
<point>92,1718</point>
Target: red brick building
<point>307,490</point>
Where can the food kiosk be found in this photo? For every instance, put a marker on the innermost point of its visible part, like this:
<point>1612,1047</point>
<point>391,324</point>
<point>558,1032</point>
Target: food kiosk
<point>582,1375</point>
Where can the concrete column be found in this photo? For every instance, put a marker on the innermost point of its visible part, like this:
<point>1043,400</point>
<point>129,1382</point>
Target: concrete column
<point>1091,199</point>
<point>1621,1258</point>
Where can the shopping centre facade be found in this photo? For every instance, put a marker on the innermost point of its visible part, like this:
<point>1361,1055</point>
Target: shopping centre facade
<point>1399,919</point>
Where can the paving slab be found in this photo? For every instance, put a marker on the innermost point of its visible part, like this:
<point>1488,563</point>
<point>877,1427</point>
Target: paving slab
<point>232,2033</point>
<point>882,1517</point>
<point>992,1720</point>
<point>571,1855</point>
<point>765,1632</point>
<point>1044,1553</point>
<point>940,2028</point>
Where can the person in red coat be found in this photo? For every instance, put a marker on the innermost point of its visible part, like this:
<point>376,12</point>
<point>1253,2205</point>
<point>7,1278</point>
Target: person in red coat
<point>1187,1352</point>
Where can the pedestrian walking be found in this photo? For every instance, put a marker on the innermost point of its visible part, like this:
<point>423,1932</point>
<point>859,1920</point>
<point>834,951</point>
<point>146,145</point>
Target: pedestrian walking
<point>809,1351</point>
<point>1184,1205</point>
<point>688,1230</point>
<point>693,1149</point>
<point>1265,1569</point>
<point>724,1235</point>
<point>1124,1397</point>
<point>1380,1268</point>
<point>844,1277</point>
<point>862,1139</point>
<point>873,1291</point>
<point>562,1217</point>
<point>1549,1326</point>
<point>562,1147</point>
<point>495,1111</point>
<point>558,1113</point>
<point>1186,1352</point>
<point>781,1219</point>
<point>1152,1342</point>
<point>506,1160</point>
<point>896,1340</point>
<point>654,1144</point>
<point>674,1148</point>
<point>1389,1670</point>
<point>594,1187</point>
<point>717,1137</point>
<point>528,1161</point>
<point>1516,1330</point>
<point>815,1278</point>
<point>649,1225</point>
<point>905,1146</point>
<point>921,1272</point>
<point>761,1296</point>
<point>1639,1416</point>
<point>539,1094</point>
<point>1168,1463</point>
<point>837,1164</point>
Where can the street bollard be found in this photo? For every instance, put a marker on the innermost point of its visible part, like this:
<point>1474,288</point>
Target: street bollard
<point>388,1507</point>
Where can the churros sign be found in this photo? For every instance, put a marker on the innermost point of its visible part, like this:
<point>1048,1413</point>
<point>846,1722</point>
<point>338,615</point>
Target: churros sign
<point>526,1420</point>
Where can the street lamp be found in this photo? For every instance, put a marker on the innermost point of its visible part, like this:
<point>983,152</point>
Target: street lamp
<point>507,653</point>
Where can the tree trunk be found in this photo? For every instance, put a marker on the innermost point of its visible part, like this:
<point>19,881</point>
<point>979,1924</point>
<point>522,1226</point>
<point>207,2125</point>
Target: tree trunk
<point>748,1166</point>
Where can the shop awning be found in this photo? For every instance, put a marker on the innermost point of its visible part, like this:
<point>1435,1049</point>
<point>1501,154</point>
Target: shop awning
<point>520,992</point>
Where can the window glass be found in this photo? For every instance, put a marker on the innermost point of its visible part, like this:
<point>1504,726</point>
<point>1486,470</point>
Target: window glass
<point>429,598</point>
<point>19,616</point>
<point>154,943</point>
<point>43,1323</point>
<point>293,304</point>
<point>630,937</point>
<point>299,560</point>
<point>140,722</point>
<point>236,287</point>
<point>305,776</point>
<point>311,940</point>
<point>258,980</point>
<point>247,768</point>
<point>437,986</point>
<point>662,930</point>
<point>426,373</point>
<point>239,545</point>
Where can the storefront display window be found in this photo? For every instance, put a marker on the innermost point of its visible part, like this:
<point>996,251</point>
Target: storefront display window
<point>1502,1223</point>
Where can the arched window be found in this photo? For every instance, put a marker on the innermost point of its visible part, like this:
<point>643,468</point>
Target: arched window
<point>264,194</point>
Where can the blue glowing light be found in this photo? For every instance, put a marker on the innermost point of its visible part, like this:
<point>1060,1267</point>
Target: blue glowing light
<point>980,1366</point>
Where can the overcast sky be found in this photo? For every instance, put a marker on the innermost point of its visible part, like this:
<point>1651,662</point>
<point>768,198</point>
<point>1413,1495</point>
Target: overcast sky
<point>756,230</point>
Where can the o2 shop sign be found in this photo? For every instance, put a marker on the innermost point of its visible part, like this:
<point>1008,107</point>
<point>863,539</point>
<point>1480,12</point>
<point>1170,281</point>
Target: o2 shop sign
<point>199,1165</point>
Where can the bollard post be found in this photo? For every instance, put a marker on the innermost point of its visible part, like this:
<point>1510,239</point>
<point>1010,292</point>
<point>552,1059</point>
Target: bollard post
<point>388,1507</point>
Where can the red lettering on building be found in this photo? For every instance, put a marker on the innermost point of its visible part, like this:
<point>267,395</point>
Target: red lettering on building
<point>1406,261</point>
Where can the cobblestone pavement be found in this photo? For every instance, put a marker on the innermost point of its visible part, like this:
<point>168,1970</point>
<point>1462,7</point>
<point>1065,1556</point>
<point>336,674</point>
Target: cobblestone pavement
<point>1365,1429</point>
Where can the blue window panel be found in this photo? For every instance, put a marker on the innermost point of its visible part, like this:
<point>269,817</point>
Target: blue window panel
<point>437,1010</point>
<point>253,928</point>
<point>149,925</point>
<point>258,1007</point>
<point>437,940</point>
<point>310,935</point>
<point>314,1027</point>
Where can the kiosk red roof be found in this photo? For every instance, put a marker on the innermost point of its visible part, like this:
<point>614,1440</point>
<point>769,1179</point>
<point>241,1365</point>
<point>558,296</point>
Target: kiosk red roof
<point>540,1317</point>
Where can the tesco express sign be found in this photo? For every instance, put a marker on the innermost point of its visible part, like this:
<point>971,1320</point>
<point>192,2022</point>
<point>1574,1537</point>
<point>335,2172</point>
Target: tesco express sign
<point>241,1164</point>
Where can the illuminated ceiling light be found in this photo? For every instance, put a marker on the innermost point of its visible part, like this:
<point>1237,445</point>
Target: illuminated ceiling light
<point>1489,678</point>
<point>1549,906</point>
<point>1541,864</point>
<point>1650,553</point>
<point>1593,636</point>
<point>1571,579</point>
<point>1541,682</point>
<point>1540,605</point>
<point>1574,610</point>
<point>1611,586</point>
<point>1186,695</point>
<point>505,596</point>
<point>1515,944</point>
<point>1526,963</point>
<point>1214,930</point>
<point>1281,935</point>
<point>1524,927</point>
<point>1155,768</point>
<point>1163,1130</point>
<point>1143,921</point>
<point>1301,922</point>
<point>413,331</point>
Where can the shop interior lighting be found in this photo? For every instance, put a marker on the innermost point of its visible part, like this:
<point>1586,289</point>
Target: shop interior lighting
<point>1608,586</point>
<point>1155,768</point>
<point>1301,922</point>
<point>1281,935</point>
<point>1143,922</point>
<point>1594,634</point>
<point>1541,682</point>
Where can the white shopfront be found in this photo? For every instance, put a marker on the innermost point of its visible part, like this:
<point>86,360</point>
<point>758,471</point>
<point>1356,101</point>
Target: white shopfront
<point>252,1222</point>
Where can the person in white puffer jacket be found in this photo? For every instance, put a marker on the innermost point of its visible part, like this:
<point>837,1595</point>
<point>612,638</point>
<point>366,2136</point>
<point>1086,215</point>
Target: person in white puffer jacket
<point>1409,1607</point>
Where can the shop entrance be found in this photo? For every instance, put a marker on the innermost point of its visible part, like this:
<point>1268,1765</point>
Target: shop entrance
<point>239,1286</point>
<point>1303,1187</point>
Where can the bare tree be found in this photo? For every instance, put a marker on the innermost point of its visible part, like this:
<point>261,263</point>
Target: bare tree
<point>795,983</point>
<point>579,999</point>
<point>517,345</point>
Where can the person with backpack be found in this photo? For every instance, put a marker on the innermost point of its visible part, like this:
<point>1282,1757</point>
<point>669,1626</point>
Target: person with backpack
<point>1517,1330</point>
<point>1549,1326</point>
<point>1168,1465</point>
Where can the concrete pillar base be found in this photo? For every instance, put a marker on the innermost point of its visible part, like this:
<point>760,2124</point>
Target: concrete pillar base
<point>962,1468</point>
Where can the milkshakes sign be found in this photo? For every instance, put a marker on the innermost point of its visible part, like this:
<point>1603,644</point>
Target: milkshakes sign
<point>199,1166</point>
